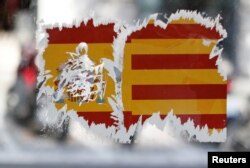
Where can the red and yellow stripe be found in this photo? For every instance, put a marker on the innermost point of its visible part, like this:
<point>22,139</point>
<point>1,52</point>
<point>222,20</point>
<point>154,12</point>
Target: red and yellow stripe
<point>170,69</point>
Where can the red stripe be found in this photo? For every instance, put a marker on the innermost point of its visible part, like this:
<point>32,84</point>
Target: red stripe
<point>194,91</point>
<point>173,61</point>
<point>175,31</point>
<point>212,120</point>
<point>130,119</point>
<point>217,121</point>
<point>84,33</point>
<point>98,118</point>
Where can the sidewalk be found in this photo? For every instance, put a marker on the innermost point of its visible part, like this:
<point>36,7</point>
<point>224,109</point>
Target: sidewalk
<point>19,148</point>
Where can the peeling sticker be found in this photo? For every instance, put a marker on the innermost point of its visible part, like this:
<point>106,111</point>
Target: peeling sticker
<point>79,79</point>
<point>116,80</point>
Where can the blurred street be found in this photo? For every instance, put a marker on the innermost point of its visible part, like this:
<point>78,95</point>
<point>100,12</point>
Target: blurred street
<point>19,148</point>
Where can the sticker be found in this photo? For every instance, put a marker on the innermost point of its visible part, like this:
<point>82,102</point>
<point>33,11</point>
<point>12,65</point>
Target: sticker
<point>116,79</point>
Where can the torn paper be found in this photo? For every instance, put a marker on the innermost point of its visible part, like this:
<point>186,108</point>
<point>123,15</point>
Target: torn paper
<point>117,78</point>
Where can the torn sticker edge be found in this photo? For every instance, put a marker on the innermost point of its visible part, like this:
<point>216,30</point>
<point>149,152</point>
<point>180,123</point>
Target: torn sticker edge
<point>208,22</point>
<point>122,135</point>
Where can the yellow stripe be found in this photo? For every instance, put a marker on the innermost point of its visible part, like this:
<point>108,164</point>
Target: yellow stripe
<point>151,21</point>
<point>168,46</point>
<point>193,106</point>
<point>179,21</point>
<point>183,21</point>
<point>182,76</point>
<point>88,107</point>
<point>210,131</point>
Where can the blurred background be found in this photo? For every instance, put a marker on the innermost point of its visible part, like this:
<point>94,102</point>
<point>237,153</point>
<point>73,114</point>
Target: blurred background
<point>25,142</point>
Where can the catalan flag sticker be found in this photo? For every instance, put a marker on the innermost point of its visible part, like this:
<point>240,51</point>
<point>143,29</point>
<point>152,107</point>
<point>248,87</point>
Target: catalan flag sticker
<point>117,79</point>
